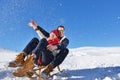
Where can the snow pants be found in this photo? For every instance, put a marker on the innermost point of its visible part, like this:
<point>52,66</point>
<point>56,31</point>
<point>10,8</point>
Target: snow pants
<point>39,48</point>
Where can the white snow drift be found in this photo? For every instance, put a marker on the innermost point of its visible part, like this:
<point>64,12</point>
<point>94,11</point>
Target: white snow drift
<point>84,63</point>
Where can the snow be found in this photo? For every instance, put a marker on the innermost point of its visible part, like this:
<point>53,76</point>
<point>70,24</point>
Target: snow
<point>84,63</point>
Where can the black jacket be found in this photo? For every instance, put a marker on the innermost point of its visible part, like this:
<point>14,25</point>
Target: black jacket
<point>64,43</point>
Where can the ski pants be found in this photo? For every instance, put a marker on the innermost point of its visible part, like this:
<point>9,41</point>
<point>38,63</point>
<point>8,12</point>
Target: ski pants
<point>39,48</point>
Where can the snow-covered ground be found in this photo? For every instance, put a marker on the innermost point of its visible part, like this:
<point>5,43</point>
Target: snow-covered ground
<point>84,63</point>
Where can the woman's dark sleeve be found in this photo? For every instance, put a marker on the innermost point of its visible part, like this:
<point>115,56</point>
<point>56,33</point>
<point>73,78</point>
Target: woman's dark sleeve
<point>45,33</point>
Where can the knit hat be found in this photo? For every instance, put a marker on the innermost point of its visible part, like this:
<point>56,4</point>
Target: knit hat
<point>55,32</point>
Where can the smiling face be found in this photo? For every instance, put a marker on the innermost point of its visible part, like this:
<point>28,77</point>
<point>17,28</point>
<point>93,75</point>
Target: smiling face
<point>61,31</point>
<point>52,35</point>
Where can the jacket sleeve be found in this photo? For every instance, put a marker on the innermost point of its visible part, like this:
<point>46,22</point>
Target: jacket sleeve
<point>45,33</point>
<point>63,44</point>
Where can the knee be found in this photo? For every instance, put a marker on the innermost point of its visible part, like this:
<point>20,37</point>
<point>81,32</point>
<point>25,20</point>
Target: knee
<point>66,51</point>
<point>35,39</point>
<point>43,40</point>
<point>63,52</point>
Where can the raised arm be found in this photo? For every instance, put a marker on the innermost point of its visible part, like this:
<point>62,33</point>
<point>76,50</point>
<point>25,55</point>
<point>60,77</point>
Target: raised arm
<point>40,31</point>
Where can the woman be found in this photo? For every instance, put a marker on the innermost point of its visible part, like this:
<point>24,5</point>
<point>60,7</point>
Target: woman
<point>42,51</point>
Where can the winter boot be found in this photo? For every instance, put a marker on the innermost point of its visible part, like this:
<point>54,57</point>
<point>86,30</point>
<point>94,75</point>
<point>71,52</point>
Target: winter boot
<point>46,73</point>
<point>19,60</point>
<point>26,67</point>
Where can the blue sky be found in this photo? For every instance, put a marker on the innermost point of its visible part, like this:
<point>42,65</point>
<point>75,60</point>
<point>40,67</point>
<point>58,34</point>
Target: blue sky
<point>87,22</point>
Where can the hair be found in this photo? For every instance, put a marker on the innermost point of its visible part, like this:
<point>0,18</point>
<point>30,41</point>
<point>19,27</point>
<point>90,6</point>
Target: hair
<point>61,26</point>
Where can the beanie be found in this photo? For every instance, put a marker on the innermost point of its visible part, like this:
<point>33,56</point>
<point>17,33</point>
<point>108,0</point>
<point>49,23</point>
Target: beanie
<point>55,32</point>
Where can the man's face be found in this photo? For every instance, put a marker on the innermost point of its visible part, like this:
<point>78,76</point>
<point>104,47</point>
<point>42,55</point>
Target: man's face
<point>61,31</point>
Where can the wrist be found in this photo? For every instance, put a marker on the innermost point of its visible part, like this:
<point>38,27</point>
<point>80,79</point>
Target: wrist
<point>36,29</point>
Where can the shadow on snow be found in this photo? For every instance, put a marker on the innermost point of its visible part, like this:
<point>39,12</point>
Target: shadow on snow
<point>82,74</point>
<point>93,74</point>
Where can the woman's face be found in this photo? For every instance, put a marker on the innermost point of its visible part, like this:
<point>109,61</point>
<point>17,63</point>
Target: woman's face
<point>52,35</point>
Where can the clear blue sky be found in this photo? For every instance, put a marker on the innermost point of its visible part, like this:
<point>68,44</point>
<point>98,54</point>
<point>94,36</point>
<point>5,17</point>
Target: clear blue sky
<point>87,22</point>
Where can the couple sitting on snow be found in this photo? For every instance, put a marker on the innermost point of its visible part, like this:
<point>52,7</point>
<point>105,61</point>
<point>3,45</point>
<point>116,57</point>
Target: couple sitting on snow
<point>50,51</point>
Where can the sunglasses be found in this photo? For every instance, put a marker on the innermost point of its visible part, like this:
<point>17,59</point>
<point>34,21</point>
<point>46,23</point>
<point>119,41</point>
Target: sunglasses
<point>61,30</point>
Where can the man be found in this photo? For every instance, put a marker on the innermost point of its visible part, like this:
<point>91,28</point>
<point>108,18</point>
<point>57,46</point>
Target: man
<point>60,54</point>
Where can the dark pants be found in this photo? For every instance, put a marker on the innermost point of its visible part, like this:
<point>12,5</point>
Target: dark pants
<point>60,57</point>
<point>39,48</point>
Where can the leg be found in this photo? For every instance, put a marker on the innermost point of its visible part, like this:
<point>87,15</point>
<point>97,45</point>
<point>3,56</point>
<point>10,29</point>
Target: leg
<point>60,57</point>
<point>31,46</point>
<point>47,57</point>
<point>19,61</point>
<point>41,50</point>
<point>40,46</point>
<point>56,62</point>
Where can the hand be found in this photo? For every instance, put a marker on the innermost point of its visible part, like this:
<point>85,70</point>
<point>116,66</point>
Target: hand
<point>51,47</point>
<point>33,55</point>
<point>32,24</point>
